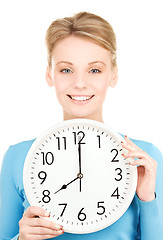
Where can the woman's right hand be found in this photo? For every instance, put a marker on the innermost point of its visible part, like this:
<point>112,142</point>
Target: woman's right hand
<point>33,227</point>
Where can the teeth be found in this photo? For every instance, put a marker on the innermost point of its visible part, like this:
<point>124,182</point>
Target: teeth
<point>80,98</point>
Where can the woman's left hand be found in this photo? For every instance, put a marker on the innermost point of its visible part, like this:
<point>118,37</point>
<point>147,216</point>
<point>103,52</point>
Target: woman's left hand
<point>146,170</point>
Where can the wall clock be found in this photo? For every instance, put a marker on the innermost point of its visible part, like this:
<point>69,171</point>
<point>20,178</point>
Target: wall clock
<point>75,170</point>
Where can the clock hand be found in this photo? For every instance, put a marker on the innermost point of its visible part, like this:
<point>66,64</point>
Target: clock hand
<point>65,185</point>
<point>79,154</point>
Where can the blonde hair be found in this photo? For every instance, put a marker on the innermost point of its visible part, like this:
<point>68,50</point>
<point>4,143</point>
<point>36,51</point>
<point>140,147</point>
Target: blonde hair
<point>82,24</point>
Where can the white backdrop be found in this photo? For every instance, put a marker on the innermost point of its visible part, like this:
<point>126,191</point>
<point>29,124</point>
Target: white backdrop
<point>28,106</point>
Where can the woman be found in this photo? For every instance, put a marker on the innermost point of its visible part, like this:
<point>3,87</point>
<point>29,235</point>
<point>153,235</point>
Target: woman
<point>82,66</point>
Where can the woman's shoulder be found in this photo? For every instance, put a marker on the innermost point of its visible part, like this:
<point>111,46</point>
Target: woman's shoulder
<point>23,144</point>
<point>17,152</point>
<point>13,162</point>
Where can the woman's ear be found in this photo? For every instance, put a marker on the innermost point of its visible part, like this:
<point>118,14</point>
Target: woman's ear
<point>49,79</point>
<point>114,80</point>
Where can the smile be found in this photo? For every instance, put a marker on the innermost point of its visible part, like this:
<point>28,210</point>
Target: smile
<point>80,98</point>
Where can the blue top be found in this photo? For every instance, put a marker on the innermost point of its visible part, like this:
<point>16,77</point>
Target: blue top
<point>142,220</point>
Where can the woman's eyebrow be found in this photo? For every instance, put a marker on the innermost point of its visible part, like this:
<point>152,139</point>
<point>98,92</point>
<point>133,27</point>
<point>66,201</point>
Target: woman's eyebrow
<point>96,62</point>
<point>64,62</point>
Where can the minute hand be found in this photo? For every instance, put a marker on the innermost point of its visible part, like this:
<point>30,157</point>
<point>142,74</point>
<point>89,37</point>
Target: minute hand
<point>80,174</point>
<point>79,152</point>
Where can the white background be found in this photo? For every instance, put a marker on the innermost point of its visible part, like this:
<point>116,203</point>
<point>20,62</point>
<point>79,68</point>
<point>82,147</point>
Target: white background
<point>28,106</point>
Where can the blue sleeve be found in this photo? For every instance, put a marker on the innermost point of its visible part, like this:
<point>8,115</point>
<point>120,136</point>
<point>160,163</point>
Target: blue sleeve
<point>151,213</point>
<point>11,208</point>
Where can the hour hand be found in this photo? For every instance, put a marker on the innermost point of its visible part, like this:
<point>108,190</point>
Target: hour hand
<point>65,185</point>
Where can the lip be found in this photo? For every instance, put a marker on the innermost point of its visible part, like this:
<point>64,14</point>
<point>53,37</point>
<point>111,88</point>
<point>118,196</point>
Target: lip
<point>79,96</point>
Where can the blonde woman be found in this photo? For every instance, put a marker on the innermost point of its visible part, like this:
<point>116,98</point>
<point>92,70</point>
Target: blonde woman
<point>82,66</point>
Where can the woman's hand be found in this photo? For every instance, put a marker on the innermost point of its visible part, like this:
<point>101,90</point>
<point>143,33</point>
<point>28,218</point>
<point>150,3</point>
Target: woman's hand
<point>32,227</point>
<point>146,170</point>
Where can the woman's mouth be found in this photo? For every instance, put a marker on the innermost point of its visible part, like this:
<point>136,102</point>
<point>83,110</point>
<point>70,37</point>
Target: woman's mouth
<point>80,98</point>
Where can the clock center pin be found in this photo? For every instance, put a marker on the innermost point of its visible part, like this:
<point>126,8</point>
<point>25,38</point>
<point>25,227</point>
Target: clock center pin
<point>80,175</point>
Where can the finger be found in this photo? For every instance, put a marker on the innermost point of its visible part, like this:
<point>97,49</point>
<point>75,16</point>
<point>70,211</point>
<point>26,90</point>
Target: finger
<point>129,145</point>
<point>138,154</point>
<point>140,162</point>
<point>47,236</point>
<point>33,211</point>
<point>40,222</point>
<point>45,231</point>
<point>152,168</point>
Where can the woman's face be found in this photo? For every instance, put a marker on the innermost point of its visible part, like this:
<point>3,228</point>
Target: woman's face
<point>81,73</point>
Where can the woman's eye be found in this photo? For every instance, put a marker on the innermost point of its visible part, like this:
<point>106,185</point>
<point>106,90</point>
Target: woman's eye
<point>66,70</point>
<point>95,70</point>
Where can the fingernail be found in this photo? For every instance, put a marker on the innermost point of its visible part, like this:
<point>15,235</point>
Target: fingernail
<point>61,228</point>
<point>47,214</point>
<point>125,136</point>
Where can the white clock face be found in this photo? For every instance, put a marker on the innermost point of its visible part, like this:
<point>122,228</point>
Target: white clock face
<point>76,171</point>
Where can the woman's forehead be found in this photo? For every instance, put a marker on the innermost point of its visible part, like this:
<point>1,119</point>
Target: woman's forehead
<point>72,49</point>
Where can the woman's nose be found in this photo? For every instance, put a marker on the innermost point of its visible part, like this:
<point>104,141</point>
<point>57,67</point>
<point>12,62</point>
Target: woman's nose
<point>80,81</point>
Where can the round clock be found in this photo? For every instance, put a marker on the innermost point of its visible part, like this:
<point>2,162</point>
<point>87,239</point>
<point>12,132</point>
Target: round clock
<point>76,171</point>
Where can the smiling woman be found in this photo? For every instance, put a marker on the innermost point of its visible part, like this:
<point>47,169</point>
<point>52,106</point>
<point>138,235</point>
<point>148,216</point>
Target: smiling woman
<point>81,67</point>
<point>81,84</point>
